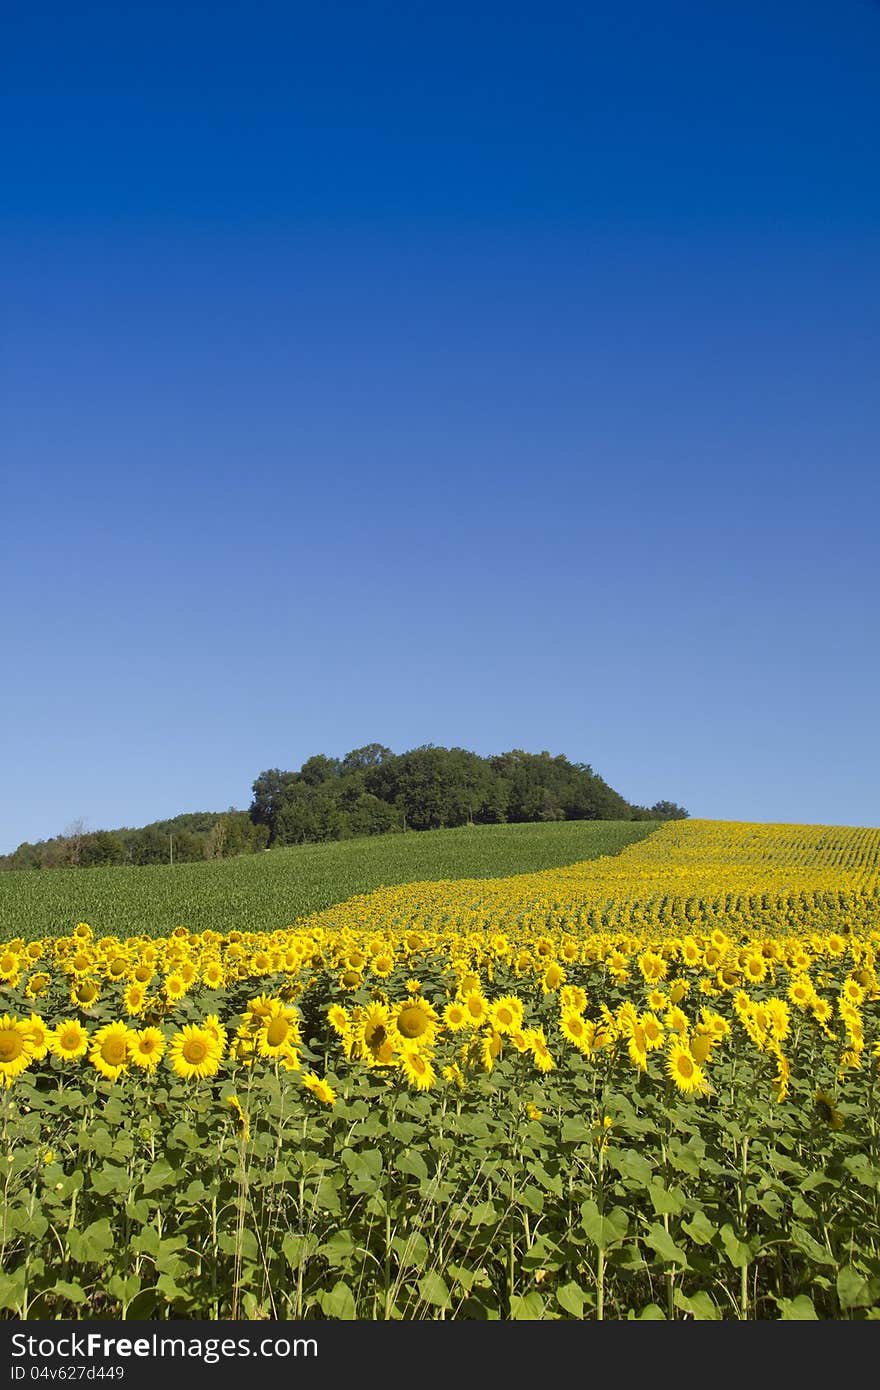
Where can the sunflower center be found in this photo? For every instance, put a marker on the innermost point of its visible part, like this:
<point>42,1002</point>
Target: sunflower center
<point>11,1045</point>
<point>412,1022</point>
<point>686,1067</point>
<point>277,1031</point>
<point>113,1051</point>
<point>87,993</point>
<point>195,1051</point>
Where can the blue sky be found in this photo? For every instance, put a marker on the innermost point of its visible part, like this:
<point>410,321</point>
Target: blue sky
<point>499,376</point>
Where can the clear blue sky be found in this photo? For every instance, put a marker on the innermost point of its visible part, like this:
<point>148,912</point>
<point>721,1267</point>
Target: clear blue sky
<point>478,374</point>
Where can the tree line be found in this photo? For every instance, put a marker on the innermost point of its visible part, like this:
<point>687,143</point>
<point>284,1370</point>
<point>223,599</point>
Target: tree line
<point>371,791</point>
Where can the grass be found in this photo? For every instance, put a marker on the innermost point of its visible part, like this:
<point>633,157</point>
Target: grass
<point>262,891</point>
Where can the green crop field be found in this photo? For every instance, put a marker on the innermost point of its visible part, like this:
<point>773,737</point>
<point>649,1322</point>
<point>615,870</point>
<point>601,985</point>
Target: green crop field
<point>262,891</point>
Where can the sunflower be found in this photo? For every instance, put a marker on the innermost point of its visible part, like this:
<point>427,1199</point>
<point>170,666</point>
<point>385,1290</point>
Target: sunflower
<point>16,1048</point>
<point>134,998</point>
<point>690,952</point>
<point>506,1014</point>
<point>37,985</point>
<point>782,1078</point>
<point>260,1007</point>
<point>755,968</point>
<point>219,1033</point>
<point>687,1074</point>
<point>85,993</point>
<point>278,1035</point>
<point>827,1111</point>
<point>418,1070</point>
<point>109,1052</point>
<point>676,1020</point>
<point>553,977</point>
<point>653,1031</point>
<point>455,1016</point>
<point>81,963</point>
<point>382,964</point>
<point>117,966</point>
<point>339,1020</point>
<point>146,1048</point>
<point>700,1045</point>
<point>371,1032</point>
<point>241,1118</point>
<point>539,1049</point>
<point>637,1046</point>
<point>68,1040</point>
<point>491,1043</point>
<point>350,979</point>
<point>414,1025</point>
<point>174,987</point>
<point>454,1074</point>
<point>39,1034</point>
<point>852,991</point>
<point>319,1088</point>
<point>195,1052</point>
<point>653,967</point>
<point>577,1030</point>
<point>801,991</point>
<point>573,998</point>
<point>477,1008</point>
<point>213,975</point>
<point>82,931</point>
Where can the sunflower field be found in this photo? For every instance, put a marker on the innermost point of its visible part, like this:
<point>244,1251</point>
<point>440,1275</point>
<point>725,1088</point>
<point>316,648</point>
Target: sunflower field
<point>641,1086</point>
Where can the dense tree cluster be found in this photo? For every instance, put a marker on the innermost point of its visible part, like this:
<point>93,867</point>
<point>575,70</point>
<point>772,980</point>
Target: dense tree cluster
<point>371,791</point>
<point>183,840</point>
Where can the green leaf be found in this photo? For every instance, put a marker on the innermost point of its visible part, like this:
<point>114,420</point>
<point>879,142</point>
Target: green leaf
<point>527,1307</point>
<point>338,1249</point>
<point>411,1161</point>
<point>327,1196</point>
<point>92,1244</point>
<point>699,1305</point>
<point>411,1250</point>
<point>631,1164</point>
<point>666,1201</point>
<point>737,1251</point>
<point>339,1303</point>
<point>604,1231</point>
<point>484,1214</point>
<point>661,1241</point>
<point>74,1293</point>
<point>160,1175</point>
<point>799,1309</point>
<point>575,1131</point>
<point>854,1290</point>
<point>699,1227</point>
<point>433,1289</point>
<point>652,1312</point>
<point>11,1289</point>
<point>571,1298</point>
<point>110,1178</point>
<point>810,1246</point>
<point>297,1249</point>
